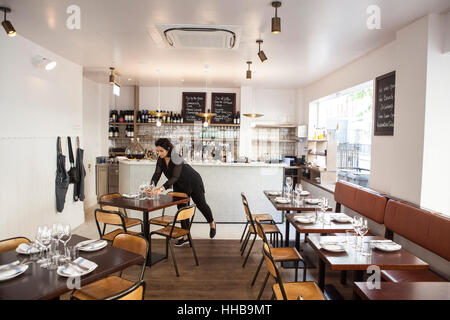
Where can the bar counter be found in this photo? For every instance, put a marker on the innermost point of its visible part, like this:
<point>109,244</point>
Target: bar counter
<point>223,182</point>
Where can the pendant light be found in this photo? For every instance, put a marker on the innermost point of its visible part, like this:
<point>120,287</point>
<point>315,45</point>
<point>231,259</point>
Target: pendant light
<point>7,25</point>
<point>207,115</point>
<point>262,56</point>
<point>249,72</point>
<point>158,114</point>
<point>276,21</point>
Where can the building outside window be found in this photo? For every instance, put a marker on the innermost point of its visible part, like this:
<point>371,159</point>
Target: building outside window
<point>348,116</point>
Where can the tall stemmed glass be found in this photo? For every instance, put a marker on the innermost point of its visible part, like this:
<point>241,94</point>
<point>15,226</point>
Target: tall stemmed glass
<point>363,229</point>
<point>65,237</point>
<point>289,183</point>
<point>324,208</point>
<point>357,223</point>
<point>46,240</point>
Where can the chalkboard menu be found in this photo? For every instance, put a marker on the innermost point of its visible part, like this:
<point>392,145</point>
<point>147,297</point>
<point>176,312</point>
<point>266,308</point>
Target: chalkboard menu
<point>193,103</point>
<point>224,106</point>
<point>384,105</point>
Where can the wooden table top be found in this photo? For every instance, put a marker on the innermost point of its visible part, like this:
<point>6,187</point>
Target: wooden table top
<point>38,283</point>
<point>334,227</point>
<point>162,202</point>
<point>351,260</point>
<point>405,291</point>
<point>292,206</point>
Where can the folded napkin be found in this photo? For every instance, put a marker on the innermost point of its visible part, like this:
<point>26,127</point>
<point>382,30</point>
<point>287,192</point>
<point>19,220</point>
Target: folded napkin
<point>71,270</point>
<point>382,241</point>
<point>26,248</point>
<point>312,201</point>
<point>14,268</point>
<point>304,219</point>
<point>304,193</point>
<point>9,265</point>
<point>282,200</point>
<point>91,244</point>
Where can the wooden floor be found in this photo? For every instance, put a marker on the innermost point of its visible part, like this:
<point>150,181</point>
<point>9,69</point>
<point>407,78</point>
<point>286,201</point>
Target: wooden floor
<point>220,275</point>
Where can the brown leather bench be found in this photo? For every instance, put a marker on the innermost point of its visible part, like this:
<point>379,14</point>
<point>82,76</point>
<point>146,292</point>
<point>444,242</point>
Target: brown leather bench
<point>365,202</point>
<point>422,227</point>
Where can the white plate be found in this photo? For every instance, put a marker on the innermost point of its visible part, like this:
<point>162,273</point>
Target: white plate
<point>333,247</point>
<point>97,246</point>
<point>312,201</point>
<point>387,246</point>
<point>304,220</point>
<point>282,200</point>
<point>75,272</point>
<point>19,270</point>
<point>305,193</point>
<point>342,219</point>
<point>274,193</point>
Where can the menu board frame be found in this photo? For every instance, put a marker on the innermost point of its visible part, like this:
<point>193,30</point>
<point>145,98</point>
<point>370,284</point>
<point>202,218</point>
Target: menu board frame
<point>183,103</point>
<point>213,109</point>
<point>386,131</point>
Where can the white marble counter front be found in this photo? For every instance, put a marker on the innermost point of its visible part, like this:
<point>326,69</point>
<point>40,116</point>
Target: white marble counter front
<point>223,182</point>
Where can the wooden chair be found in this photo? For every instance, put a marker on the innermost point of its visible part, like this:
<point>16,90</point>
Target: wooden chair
<point>111,218</point>
<point>12,243</point>
<point>164,220</point>
<point>129,222</point>
<point>116,287</point>
<point>271,229</point>
<point>172,233</point>
<point>257,217</point>
<point>290,290</point>
<point>284,254</point>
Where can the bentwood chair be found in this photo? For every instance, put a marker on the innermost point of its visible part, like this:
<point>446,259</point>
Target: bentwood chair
<point>172,233</point>
<point>270,229</point>
<point>290,290</point>
<point>285,254</point>
<point>12,243</point>
<point>116,287</point>
<point>164,220</point>
<point>129,222</point>
<point>114,218</point>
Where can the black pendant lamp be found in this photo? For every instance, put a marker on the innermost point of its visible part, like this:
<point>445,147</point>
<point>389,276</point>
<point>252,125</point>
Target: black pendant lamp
<point>7,25</point>
<point>262,56</point>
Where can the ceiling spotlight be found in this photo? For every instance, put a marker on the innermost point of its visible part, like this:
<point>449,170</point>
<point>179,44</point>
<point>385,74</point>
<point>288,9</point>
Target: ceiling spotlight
<point>111,76</point>
<point>7,24</point>
<point>44,63</point>
<point>249,72</point>
<point>261,54</point>
<point>276,21</point>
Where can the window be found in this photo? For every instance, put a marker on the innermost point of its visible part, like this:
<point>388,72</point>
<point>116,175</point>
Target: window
<point>347,116</point>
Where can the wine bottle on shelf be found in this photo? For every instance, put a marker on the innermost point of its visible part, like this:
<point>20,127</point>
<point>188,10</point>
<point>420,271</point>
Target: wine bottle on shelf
<point>239,117</point>
<point>121,116</point>
<point>111,132</point>
<point>169,118</point>
<point>116,132</point>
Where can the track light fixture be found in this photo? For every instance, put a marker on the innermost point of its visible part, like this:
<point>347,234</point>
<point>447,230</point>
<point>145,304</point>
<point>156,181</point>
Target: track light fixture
<point>7,24</point>
<point>44,63</point>
<point>276,21</point>
<point>249,72</point>
<point>261,54</point>
<point>111,76</point>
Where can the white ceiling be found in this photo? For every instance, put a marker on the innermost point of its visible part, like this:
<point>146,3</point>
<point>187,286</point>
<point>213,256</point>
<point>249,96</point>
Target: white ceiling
<point>318,37</point>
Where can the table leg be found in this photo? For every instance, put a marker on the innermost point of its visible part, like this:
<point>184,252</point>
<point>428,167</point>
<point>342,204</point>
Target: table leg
<point>286,237</point>
<point>321,274</point>
<point>297,240</point>
<point>153,257</point>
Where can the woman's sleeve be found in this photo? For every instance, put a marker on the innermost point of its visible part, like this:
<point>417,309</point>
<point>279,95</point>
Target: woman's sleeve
<point>175,176</point>
<point>157,173</point>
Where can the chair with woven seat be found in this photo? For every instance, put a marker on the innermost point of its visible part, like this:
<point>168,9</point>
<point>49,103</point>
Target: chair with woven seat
<point>171,232</point>
<point>114,218</point>
<point>290,290</point>
<point>129,222</point>
<point>12,243</point>
<point>285,254</point>
<point>164,220</point>
<point>270,229</point>
<point>116,287</point>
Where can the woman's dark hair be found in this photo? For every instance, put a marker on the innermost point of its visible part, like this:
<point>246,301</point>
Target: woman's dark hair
<point>165,144</point>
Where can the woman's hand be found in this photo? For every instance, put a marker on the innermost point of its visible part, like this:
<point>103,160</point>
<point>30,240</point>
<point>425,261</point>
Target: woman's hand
<point>155,191</point>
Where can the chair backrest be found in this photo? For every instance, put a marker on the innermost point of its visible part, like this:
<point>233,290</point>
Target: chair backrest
<point>185,213</point>
<point>427,229</point>
<point>109,217</point>
<point>248,213</point>
<point>110,196</point>
<point>261,233</point>
<point>133,243</point>
<point>272,268</point>
<point>177,194</point>
<point>135,292</point>
<point>12,243</point>
<point>366,202</point>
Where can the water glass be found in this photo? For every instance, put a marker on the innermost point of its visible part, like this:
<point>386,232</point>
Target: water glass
<point>72,253</point>
<point>326,219</point>
<point>350,237</point>
<point>366,249</point>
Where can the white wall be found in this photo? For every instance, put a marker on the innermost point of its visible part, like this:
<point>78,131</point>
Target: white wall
<point>435,175</point>
<point>36,106</point>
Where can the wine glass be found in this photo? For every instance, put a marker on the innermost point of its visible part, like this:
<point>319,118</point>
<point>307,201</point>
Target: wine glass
<point>289,183</point>
<point>142,188</point>
<point>65,237</point>
<point>46,239</point>
<point>363,229</point>
<point>324,208</point>
<point>357,222</point>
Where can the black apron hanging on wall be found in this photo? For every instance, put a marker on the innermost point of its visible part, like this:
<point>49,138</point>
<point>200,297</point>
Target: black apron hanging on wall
<point>62,178</point>
<point>73,173</point>
<point>78,188</point>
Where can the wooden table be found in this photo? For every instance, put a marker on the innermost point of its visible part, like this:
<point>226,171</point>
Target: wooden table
<point>320,228</point>
<point>353,261</point>
<point>146,206</point>
<point>38,283</point>
<point>285,208</point>
<point>404,291</point>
